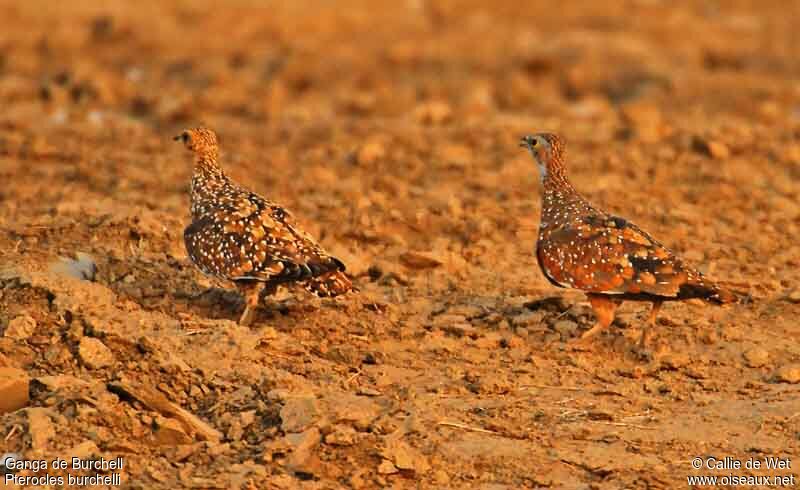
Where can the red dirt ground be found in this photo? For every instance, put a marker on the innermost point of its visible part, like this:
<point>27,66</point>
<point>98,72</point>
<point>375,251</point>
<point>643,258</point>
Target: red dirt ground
<point>390,130</point>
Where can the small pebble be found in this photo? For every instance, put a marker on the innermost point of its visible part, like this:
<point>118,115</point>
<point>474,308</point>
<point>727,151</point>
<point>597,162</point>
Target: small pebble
<point>787,374</point>
<point>755,357</point>
<point>20,328</point>
<point>387,468</point>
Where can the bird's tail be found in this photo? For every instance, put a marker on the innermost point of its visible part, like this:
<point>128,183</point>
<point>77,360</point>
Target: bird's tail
<point>707,291</point>
<point>721,296</point>
<point>329,284</point>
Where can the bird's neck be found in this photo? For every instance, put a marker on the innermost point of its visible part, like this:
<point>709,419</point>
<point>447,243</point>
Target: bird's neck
<point>555,180</point>
<point>561,203</point>
<point>207,181</point>
<point>206,163</point>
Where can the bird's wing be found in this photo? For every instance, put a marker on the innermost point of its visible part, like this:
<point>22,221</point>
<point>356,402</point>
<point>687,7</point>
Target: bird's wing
<point>251,238</point>
<point>608,254</point>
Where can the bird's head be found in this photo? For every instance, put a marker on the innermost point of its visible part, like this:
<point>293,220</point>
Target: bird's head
<point>548,151</point>
<point>201,141</point>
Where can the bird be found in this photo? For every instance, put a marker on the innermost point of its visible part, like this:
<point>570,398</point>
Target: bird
<point>239,236</point>
<point>608,257</point>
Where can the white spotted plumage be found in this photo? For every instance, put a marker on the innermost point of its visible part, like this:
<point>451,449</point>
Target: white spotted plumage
<point>240,236</point>
<point>580,246</point>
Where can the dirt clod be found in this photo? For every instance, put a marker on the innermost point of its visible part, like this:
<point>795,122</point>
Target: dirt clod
<point>386,467</point>
<point>94,353</point>
<point>371,153</point>
<point>405,457</point>
<point>712,148</point>
<point>787,374</point>
<point>420,260</point>
<point>170,432</point>
<point>299,413</point>
<point>40,427</point>
<point>13,389</point>
<point>20,328</point>
<point>82,266</point>
<point>303,445</point>
<point>756,357</point>
<point>341,435</point>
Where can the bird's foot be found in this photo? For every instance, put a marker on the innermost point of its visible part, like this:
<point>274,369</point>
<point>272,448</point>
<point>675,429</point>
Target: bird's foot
<point>643,353</point>
<point>248,315</point>
<point>580,344</point>
<point>586,341</point>
<point>273,306</point>
<point>645,350</point>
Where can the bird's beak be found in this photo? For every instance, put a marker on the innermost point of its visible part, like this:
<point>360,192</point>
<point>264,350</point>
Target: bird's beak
<point>177,138</point>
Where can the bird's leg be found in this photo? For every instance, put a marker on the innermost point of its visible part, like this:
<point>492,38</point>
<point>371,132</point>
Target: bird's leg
<point>267,290</point>
<point>651,322</point>
<point>604,308</point>
<point>271,304</point>
<point>252,294</point>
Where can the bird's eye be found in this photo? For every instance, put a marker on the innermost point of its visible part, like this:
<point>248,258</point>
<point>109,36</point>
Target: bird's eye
<point>533,141</point>
<point>185,137</point>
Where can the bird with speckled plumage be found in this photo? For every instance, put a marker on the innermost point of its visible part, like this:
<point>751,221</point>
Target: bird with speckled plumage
<point>607,257</point>
<point>239,236</point>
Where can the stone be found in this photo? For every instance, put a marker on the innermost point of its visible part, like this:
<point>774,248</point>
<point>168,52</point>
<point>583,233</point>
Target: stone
<point>82,267</point>
<point>387,468</point>
<point>440,477</point>
<point>367,391</point>
<point>278,395</point>
<point>247,417</point>
<point>794,296</point>
<point>675,360</point>
<point>370,153</point>
<point>40,427</point>
<point>711,148</point>
<point>755,357</point>
<point>84,450</point>
<point>787,374</point>
<point>157,401</point>
<point>341,435</point>
<point>20,328</point>
<point>357,410</point>
<point>419,260</point>
<point>448,319</point>
<point>405,457</point>
<point>299,413</point>
<point>169,432</point>
<point>14,385</point>
<point>62,382</point>
<point>94,353</point>
<point>566,328</point>
<point>303,444</point>
<point>528,319</point>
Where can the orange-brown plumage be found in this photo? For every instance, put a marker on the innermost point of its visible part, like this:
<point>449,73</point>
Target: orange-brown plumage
<point>240,236</point>
<point>608,257</point>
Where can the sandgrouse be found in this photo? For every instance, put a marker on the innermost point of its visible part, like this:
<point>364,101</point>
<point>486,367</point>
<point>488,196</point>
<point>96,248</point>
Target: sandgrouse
<point>240,236</point>
<point>608,257</point>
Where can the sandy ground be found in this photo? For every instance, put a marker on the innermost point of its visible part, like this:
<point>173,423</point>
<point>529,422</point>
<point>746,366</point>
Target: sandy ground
<point>390,130</point>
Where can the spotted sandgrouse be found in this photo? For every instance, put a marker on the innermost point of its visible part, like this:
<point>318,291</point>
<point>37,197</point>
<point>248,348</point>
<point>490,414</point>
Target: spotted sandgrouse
<point>606,256</point>
<point>239,236</point>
